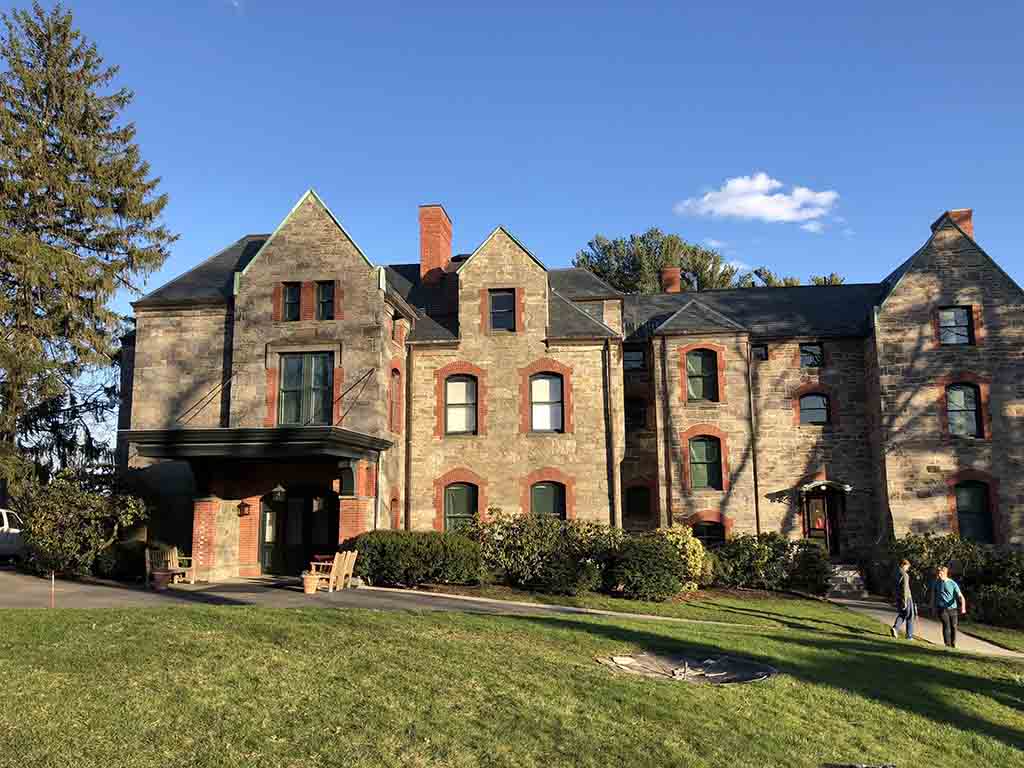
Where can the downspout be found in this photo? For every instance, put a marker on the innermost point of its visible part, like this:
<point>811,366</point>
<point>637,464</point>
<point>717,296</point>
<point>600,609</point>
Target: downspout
<point>753,443</point>
<point>376,500</point>
<point>609,432</point>
<point>666,404</point>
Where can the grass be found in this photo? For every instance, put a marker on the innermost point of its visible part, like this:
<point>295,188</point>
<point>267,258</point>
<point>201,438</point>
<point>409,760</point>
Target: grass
<point>1001,636</point>
<point>247,686</point>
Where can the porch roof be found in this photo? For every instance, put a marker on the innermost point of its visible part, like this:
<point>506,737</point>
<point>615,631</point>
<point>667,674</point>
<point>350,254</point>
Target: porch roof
<point>818,485</point>
<point>253,443</point>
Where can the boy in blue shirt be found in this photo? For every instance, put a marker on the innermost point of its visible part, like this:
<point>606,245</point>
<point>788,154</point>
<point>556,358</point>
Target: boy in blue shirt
<point>949,603</point>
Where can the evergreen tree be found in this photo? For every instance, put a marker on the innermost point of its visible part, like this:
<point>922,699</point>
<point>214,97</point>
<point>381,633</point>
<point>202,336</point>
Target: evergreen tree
<point>832,279</point>
<point>79,220</point>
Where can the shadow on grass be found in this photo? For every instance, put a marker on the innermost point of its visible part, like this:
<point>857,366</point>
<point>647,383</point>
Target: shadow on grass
<point>906,677</point>
<point>788,620</point>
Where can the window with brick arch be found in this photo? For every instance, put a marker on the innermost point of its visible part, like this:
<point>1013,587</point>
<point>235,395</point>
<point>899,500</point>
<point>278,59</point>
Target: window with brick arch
<point>395,401</point>
<point>460,505</point>
<point>547,410</point>
<point>973,512</point>
<point>460,413</point>
<point>548,498</point>
<point>814,409</point>
<point>705,463</point>
<point>963,410</point>
<point>702,375</point>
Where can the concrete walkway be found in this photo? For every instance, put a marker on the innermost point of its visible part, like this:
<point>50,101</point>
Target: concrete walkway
<point>925,628</point>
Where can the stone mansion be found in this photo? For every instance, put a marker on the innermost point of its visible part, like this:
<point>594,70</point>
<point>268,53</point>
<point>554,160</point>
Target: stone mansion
<point>289,393</point>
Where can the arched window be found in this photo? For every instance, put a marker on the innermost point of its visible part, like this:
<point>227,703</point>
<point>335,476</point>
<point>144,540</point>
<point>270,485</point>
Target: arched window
<point>637,515</point>
<point>973,512</point>
<point>548,498</point>
<point>702,375</point>
<point>814,409</point>
<point>962,411</point>
<point>459,505</point>
<point>705,463</point>
<point>395,401</point>
<point>347,482</point>
<point>460,405</point>
<point>710,534</point>
<point>546,403</point>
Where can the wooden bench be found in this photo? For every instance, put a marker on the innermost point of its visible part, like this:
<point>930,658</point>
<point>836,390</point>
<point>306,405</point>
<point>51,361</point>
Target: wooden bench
<point>167,562</point>
<point>335,573</point>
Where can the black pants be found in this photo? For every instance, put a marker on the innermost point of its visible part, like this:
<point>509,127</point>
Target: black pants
<point>950,619</point>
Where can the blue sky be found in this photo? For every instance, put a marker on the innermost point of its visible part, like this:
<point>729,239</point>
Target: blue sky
<point>560,121</point>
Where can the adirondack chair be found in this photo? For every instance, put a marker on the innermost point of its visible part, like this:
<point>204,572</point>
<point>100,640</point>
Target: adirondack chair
<point>336,573</point>
<point>167,562</point>
<point>345,578</point>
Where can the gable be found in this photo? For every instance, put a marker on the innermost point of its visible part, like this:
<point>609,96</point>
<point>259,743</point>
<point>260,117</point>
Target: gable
<point>496,245</point>
<point>695,317</point>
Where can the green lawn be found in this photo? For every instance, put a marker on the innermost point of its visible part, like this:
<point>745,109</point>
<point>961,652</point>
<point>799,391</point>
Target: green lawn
<point>313,687</point>
<point>1007,638</point>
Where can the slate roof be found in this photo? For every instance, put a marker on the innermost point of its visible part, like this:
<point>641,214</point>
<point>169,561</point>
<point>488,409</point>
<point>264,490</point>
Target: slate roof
<point>209,281</point>
<point>567,321</point>
<point>576,283</point>
<point>806,310</point>
<point>435,303</point>
<point>695,317</point>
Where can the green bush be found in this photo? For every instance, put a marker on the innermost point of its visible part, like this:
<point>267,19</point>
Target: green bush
<point>122,561</point>
<point>808,568</point>
<point>999,605</point>
<point>710,570</point>
<point>690,549</point>
<point>646,568</point>
<point>566,574</point>
<point>67,525</point>
<point>755,562</point>
<point>410,558</point>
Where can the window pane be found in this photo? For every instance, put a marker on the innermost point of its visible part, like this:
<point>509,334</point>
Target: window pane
<point>695,362</point>
<point>811,356</point>
<point>461,391</point>
<point>759,352</point>
<point>633,360</point>
<point>321,372</point>
<point>461,418</point>
<point>699,475</point>
<point>695,388</point>
<point>502,301</point>
<point>292,372</point>
<point>291,407</point>
<point>973,515</point>
<point>548,499</point>
<point>460,502</point>
<point>546,389</point>
<point>547,417</point>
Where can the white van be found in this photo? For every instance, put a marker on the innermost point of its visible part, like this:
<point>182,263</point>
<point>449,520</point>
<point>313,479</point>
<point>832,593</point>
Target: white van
<point>11,542</point>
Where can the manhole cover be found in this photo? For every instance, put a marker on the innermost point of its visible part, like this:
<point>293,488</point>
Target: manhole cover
<point>713,670</point>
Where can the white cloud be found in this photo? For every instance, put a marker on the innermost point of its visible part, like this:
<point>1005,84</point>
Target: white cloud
<point>757,197</point>
<point>813,226</point>
<point>710,242</point>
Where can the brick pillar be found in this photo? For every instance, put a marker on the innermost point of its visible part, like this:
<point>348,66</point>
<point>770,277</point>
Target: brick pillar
<point>352,517</point>
<point>204,533</point>
<point>249,539</point>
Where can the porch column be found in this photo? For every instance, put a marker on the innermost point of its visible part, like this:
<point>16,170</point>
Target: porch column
<point>204,535</point>
<point>355,513</point>
<point>249,538</point>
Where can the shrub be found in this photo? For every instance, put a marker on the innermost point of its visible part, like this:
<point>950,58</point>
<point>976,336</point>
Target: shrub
<point>709,570</point>
<point>566,574</point>
<point>927,552</point>
<point>808,568</point>
<point>123,561</point>
<point>997,604</point>
<point>67,526</point>
<point>756,562</point>
<point>690,549</point>
<point>646,568</point>
<point>410,558</point>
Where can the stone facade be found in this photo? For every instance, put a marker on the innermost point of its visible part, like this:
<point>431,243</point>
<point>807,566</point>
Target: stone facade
<point>212,368</point>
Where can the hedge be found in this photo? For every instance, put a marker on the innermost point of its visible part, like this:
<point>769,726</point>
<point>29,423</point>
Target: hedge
<point>410,558</point>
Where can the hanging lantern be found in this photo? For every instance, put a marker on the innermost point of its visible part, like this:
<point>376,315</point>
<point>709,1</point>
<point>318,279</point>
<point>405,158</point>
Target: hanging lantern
<point>244,508</point>
<point>279,493</point>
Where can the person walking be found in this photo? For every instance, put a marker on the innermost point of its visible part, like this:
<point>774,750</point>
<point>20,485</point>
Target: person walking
<point>906,611</point>
<point>949,603</point>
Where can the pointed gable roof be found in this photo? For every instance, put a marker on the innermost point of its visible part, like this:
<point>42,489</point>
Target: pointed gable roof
<point>568,321</point>
<point>465,263</point>
<point>696,317</point>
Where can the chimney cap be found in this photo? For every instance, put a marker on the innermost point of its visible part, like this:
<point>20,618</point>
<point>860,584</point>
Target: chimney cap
<point>962,217</point>
<point>437,205</point>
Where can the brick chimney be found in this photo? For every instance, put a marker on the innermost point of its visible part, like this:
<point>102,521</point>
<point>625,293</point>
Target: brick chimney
<point>961,217</point>
<point>435,242</point>
<point>671,279</point>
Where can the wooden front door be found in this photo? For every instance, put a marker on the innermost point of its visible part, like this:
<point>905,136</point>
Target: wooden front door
<point>822,519</point>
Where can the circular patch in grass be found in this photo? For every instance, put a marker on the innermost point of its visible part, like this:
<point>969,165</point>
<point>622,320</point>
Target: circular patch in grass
<point>712,670</point>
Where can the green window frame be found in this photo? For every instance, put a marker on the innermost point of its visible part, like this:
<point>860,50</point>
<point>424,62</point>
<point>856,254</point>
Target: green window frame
<point>460,505</point>
<point>548,498</point>
<point>306,389</point>
<point>973,512</point>
<point>956,326</point>
<point>705,463</point>
<point>503,309</point>
<point>812,356</point>
<point>325,300</point>
<point>963,414</point>
<point>292,297</point>
<point>702,375</point>
<point>814,409</point>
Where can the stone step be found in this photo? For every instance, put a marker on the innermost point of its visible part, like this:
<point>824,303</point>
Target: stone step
<point>845,581</point>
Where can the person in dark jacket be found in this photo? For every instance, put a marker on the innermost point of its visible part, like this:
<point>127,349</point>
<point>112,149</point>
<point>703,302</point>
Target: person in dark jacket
<point>906,611</point>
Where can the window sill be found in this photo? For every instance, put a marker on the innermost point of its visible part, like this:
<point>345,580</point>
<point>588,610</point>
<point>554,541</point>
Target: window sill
<point>460,435</point>
<point>534,433</point>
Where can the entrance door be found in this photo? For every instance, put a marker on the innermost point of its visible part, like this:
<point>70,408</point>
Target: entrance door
<point>304,524</point>
<point>822,519</point>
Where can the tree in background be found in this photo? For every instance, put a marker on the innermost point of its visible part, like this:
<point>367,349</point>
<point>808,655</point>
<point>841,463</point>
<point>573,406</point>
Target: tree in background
<point>79,219</point>
<point>765,278</point>
<point>832,279</point>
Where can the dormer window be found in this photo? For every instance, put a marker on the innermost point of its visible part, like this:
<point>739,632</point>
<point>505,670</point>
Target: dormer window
<point>503,310</point>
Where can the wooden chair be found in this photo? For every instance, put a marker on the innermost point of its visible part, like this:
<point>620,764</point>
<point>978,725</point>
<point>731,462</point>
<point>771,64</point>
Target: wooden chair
<point>162,562</point>
<point>336,573</point>
<point>345,577</point>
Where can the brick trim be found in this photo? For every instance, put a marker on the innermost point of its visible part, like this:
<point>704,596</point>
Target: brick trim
<point>712,516</point>
<point>339,301</point>
<point>339,381</point>
<point>965,377</point>
<point>270,418</point>
<point>548,475</point>
<point>307,301</point>
<point>204,533</point>
<point>457,368</point>
<point>485,308</point>
<point>704,430</point>
<point>545,365</point>
<point>457,475</point>
<point>395,397</point>
<point>719,350</point>
<point>816,388</point>
<point>277,311</point>
<point>976,475</point>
